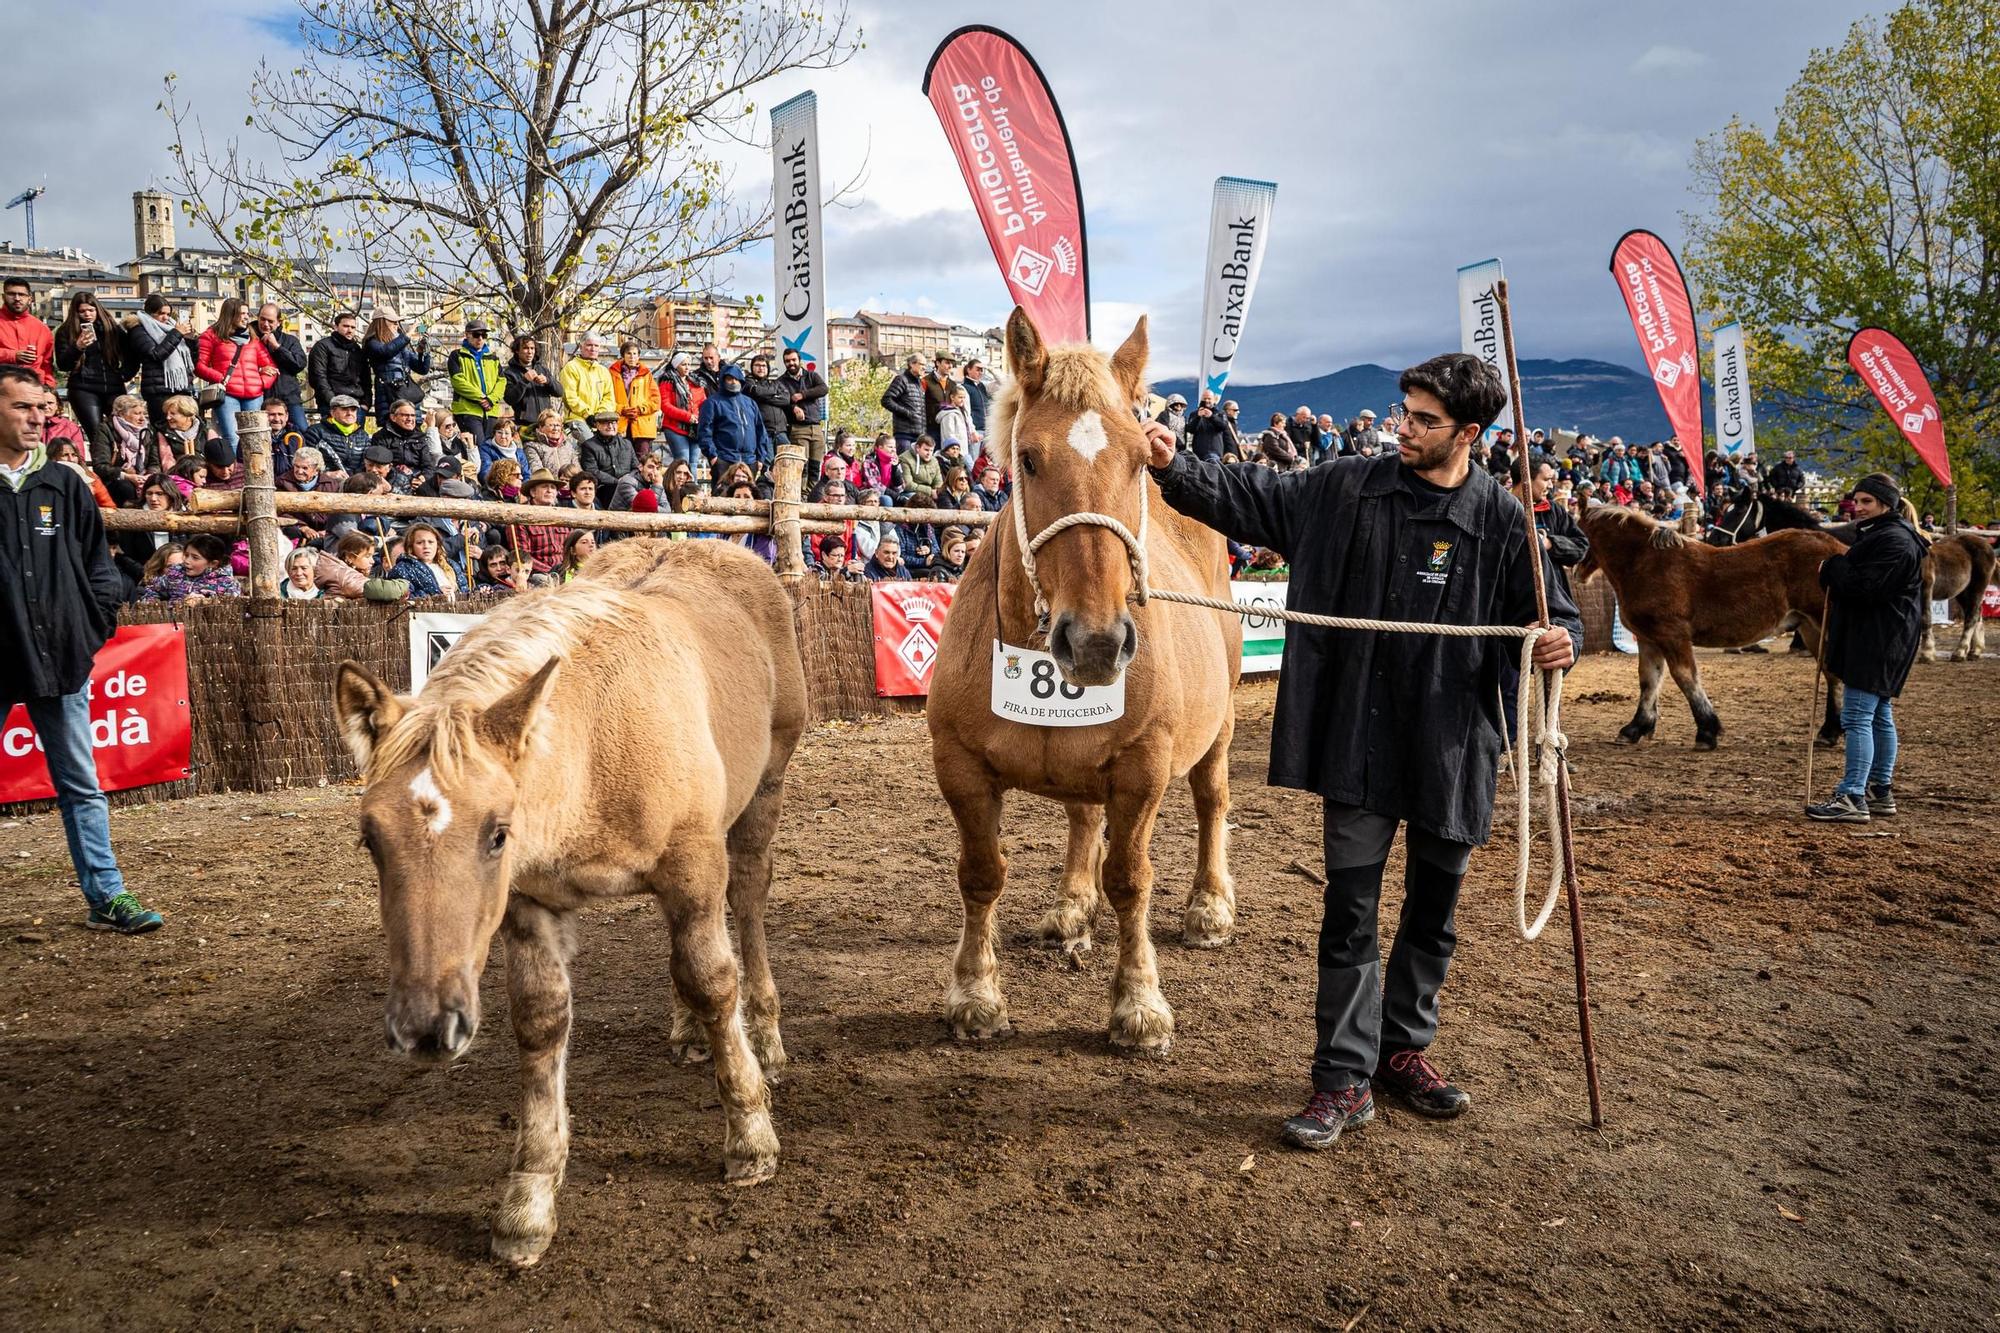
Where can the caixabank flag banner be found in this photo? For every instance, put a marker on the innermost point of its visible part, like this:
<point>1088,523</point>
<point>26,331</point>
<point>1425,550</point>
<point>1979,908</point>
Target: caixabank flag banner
<point>798,289</point>
<point>140,731</point>
<point>1479,325</point>
<point>1239,229</point>
<point>1891,372</point>
<point>909,620</point>
<point>1735,433</point>
<point>1014,152</point>
<point>1662,310</point>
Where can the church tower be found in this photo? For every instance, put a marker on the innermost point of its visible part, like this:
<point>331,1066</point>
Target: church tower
<point>152,221</point>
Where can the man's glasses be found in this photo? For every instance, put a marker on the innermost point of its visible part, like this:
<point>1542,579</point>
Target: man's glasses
<point>1421,423</point>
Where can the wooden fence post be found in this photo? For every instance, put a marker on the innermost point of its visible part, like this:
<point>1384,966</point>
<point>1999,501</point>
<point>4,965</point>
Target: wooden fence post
<point>787,492</point>
<point>260,512</point>
<point>264,693</point>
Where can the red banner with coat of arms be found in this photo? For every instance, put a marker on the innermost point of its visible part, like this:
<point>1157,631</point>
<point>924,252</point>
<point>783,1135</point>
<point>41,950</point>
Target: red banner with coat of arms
<point>1662,311</point>
<point>909,620</point>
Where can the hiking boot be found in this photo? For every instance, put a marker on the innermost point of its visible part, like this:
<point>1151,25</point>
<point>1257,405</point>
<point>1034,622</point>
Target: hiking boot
<point>1326,1115</point>
<point>124,915</point>
<point>1881,802</point>
<point>1841,809</point>
<point>1417,1084</point>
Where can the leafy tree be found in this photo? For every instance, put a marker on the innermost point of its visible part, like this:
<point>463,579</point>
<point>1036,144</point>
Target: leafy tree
<point>854,399</point>
<point>538,161</point>
<point>1875,199</point>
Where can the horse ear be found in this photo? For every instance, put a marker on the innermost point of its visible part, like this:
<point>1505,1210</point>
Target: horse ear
<point>1027,356</point>
<point>509,725</point>
<point>1128,363</point>
<point>367,708</point>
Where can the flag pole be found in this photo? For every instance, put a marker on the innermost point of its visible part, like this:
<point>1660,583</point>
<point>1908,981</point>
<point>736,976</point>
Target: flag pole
<point>1570,888</point>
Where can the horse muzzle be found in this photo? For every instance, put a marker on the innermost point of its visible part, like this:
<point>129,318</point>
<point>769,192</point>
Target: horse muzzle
<point>425,1025</point>
<point>1093,655</point>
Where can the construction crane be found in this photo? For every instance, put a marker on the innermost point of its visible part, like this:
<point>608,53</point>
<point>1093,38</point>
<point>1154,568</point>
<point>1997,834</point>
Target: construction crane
<point>26,200</point>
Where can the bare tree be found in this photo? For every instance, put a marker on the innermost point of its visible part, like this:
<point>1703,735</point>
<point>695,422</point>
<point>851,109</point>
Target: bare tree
<point>538,161</point>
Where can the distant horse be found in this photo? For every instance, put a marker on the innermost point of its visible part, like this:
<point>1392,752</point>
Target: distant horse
<point>1065,424</point>
<point>1957,569</point>
<point>627,733</point>
<point>1676,595</point>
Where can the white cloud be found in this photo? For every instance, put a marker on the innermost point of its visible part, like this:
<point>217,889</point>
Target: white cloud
<point>1669,60</point>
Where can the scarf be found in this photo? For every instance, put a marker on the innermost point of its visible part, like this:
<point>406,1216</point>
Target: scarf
<point>177,371</point>
<point>129,444</point>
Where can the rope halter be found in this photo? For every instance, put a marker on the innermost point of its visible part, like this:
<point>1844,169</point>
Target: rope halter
<point>1135,546</point>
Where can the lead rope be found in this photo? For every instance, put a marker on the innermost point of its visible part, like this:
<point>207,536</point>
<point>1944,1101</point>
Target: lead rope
<point>1536,760</point>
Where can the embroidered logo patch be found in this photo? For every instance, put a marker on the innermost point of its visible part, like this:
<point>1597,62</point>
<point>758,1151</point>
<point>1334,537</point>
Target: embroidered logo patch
<point>1440,557</point>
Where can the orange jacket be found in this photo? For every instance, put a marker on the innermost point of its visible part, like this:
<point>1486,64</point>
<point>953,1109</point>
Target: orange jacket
<point>19,331</point>
<point>638,399</point>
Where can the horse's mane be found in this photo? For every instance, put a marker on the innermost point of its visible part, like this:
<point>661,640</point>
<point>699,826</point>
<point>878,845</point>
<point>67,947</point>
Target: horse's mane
<point>1798,516</point>
<point>508,645</point>
<point>1078,377</point>
<point>1663,538</point>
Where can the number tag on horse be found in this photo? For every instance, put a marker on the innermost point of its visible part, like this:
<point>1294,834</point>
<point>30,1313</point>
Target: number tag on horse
<point>1028,689</point>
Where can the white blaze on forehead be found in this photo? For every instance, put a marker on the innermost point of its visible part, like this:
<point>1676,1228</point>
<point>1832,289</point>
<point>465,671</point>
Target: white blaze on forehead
<point>431,802</point>
<point>1086,436</point>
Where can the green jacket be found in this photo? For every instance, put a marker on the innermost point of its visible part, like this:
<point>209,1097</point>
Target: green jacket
<point>475,376</point>
<point>923,480</point>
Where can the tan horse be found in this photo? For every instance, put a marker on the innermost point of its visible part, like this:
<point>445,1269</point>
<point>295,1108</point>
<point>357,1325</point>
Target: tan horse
<point>1066,423</point>
<point>1957,569</point>
<point>625,734</point>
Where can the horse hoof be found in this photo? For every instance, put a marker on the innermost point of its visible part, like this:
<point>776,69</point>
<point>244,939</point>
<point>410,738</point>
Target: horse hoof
<point>527,1219</point>
<point>1064,928</point>
<point>977,1019</point>
<point>687,1052</point>
<point>1143,1026</point>
<point>743,1172</point>
<point>1632,736</point>
<point>1207,926</point>
<point>1157,1048</point>
<point>1704,742</point>
<point>1826,742</point>
<point>520,1251</point>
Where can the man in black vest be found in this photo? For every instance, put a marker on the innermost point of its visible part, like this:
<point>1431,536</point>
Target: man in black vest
<point>1388,728</point>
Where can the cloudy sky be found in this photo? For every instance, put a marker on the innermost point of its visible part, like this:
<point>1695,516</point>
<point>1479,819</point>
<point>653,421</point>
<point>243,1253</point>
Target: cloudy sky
<point>1406,139</point>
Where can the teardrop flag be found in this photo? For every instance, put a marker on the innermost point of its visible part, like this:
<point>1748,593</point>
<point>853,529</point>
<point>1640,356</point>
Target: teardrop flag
<point>1662,310</point>
<point>1014,152</point>
<point>1891,371</point>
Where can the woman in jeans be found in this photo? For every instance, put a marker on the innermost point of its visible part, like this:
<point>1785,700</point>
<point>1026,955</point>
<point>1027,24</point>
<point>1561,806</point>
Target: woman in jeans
<point>229,356</point>
<point>1875,617</point>
<point>90,349</point>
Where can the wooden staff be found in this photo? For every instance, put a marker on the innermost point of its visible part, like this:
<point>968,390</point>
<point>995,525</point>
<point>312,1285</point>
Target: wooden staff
<point>1819,668</point>
<point>1570,887</point>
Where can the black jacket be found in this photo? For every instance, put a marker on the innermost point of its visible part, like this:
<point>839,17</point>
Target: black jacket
<point>339,365</point>
<point>1405,725</point>
<point>607,460</point>
<point>1877,614</point>
<point>151,356</point>
<point>59,590</point>
<point>774,400</point>
<point>1568,547</point>
<point>407,449</point>
<point>342,452</point>
<point>975,402</point>
<point>290,359</point>
<point>528,399</point>
<point>1210,436</point>
<point>904,402</point>
<point>1787,477</point>
<point>810,385</point>
<point>90,369</point>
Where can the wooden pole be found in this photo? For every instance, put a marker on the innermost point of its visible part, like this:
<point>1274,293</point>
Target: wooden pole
<point>492,511</point>
<point>260,517</point>
<point>265,699</point>
<point>1570,886</point>
<point>1951,511</point>
<point>964,518</point>
<point>168,521</point>
<point>782,511</point>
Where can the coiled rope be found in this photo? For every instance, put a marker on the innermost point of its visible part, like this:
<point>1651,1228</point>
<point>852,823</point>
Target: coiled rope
<point>1537,760</point>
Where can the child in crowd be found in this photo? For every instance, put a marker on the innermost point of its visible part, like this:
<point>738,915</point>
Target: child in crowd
<point>202,573</point>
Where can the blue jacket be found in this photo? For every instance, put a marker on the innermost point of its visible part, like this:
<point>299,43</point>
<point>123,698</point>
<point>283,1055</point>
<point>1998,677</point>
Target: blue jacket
<point>732,430</point>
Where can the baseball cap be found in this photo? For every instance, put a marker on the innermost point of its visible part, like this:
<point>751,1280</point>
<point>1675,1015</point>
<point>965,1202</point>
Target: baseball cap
<point>477,326</point>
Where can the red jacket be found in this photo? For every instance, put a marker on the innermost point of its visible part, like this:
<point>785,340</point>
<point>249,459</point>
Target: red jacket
<point>255,371</point>
<point>27,331</point>
<point>680,417</point>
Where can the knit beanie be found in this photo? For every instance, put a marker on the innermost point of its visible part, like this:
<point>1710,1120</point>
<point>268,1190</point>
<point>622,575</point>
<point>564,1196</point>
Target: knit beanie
<point>645,502</point>
<point>1882,488</point>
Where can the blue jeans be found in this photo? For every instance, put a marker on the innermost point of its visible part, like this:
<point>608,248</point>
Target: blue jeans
<point>679,447</point>
<point>1870,723</point>
<point>226,415</point>
<point>64,727</point>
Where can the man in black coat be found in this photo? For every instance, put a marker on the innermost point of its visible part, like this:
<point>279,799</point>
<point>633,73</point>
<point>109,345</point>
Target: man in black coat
<point>903,400</point>
<point>1388,728</point>
<point>606,456</point>
<point>773,399</point>
<point>1875,619</point>
<point>289,357</point>
<point>338,364</point>
<point>1208,435</point>
<point>806,390</point>
<point>59,595</point>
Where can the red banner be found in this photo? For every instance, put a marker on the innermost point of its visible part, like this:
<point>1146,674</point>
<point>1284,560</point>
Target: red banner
<point>1662,310</point>
<point>909,619</point>
<point>1891,371</point>
<point>138,718</point>
<point>1014,152</point>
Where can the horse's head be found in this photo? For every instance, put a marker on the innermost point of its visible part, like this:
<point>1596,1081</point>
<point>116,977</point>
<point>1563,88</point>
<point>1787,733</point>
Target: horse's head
<point>1066,421</point>
<point>1740,520</point>
<point>435,816</point>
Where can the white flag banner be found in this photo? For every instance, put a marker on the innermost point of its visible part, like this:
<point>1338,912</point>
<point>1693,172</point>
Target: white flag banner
<point>798,257</point>
<point>1479,325</point>
<point>1734,432</point>
<point>1239,229</point>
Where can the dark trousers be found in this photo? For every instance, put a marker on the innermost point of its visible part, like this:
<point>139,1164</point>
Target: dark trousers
<point>1361,1010</point>
<point>478,427</point>
<point>89,408</point>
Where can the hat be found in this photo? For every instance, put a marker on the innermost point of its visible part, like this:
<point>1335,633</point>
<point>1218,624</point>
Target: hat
<point>1174,399</point>
<point>377,453</point>
<point>1367,414</point>
<point>732,371</point>
<point>540,477</point>
<point>341,400</point>
<point>477,326</point>
<point>457,489</point>
<point>604,414</point>
<point>446,466</point>
<point>1881,488</point>
<point>645,501</point>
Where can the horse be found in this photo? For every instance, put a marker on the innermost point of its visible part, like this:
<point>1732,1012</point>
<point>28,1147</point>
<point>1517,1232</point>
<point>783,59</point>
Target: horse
<point>1065,423</point>
<point>1676,595</point>
<point>1956,568</point>
<point>627,733</point>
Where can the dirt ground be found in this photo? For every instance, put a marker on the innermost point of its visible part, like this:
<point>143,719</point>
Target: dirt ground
<point>1798,1028</point>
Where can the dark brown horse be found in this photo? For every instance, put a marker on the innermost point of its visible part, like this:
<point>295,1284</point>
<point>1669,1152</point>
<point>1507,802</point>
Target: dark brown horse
<point>1676,595</point>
